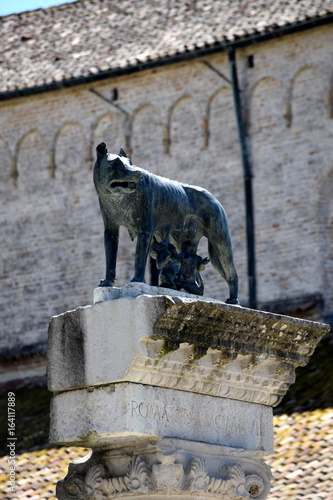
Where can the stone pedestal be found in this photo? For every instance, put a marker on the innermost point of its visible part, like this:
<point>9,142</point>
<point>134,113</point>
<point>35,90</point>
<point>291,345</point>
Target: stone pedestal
<point>174,394</point>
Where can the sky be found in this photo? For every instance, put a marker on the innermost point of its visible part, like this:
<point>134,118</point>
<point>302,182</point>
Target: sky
<point>14,6</point>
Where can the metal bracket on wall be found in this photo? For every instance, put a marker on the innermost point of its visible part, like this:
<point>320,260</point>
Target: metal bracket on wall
<point>218,72</point>
<point>110,101</point>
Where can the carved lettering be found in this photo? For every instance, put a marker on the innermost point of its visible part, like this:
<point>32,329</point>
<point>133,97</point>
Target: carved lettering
<point>165,413</point>
<point>231,424</point>
<point>172,414</point>
<point>242,425</point>
<point>155,411</point>
<point>218,422</point>
<point>197,419</point>
<point>145,410</point>
<point>262,429</point>
<point>251,428</point>
<point>187,416</point>
<point>173,410</point>
<point>209,420</point>
<point>135,408</point>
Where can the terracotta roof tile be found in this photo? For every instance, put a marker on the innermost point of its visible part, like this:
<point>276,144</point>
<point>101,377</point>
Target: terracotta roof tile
<point>302,464</point>
<point>89,37</point>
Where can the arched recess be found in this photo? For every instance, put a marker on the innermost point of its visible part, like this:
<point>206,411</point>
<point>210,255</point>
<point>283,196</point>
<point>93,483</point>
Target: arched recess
<point>186,130</point>
<point>222,125</point>
<point>147,137</point>
<point>7,173</point>
<point>109,129</point>
<point>267,110</point>
<point>267,130</point>
<point>308,99</point>
<point>223,141</point>
<point>33,162</point>
<point>70,151</point>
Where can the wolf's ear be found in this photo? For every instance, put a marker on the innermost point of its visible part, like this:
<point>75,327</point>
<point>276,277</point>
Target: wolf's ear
<point>122,153</point>
<point>101,150</point>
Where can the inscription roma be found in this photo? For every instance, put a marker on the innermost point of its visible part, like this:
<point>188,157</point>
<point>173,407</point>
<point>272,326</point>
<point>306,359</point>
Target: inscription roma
<point>172,414</point>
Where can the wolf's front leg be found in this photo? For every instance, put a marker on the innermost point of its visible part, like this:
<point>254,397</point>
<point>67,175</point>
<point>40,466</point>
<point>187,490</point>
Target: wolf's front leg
<point>111,240</point>
<point>141,254</point>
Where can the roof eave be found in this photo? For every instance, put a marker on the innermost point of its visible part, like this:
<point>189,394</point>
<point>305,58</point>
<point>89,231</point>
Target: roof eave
<point>175,58</point>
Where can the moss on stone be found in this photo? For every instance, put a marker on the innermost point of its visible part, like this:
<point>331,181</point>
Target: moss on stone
<point>241,330</point>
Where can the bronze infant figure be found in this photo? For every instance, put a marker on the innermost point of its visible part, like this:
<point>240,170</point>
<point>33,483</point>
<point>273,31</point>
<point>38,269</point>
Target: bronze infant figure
<point>150,206</point>
<point>167,262</point>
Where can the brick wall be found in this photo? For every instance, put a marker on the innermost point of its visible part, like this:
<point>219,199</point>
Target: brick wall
<point>177,121</point>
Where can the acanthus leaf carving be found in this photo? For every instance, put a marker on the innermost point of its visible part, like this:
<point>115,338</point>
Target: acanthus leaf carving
<point>138,475</point>
<point>234,484</point>
<point>237,481</point>
<point>94,478</point>
<point>97,487</point>
<point>198,475</point>
<point>216,485</point>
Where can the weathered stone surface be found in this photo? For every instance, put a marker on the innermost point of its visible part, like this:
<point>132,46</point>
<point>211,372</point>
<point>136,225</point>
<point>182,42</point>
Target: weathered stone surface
<point>109,335</point>
<point>202,346</point>
<point>133,290</point>
<point>121,414</point>
<point>170,468</point>
<point>151,371</point>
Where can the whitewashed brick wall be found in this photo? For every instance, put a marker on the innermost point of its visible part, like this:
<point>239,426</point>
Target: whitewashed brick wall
<point>178,122</point>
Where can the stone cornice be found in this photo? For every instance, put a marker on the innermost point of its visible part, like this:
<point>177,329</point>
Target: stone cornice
<point>181,342</point>
<point>226,351</point>
<point>238,330</point>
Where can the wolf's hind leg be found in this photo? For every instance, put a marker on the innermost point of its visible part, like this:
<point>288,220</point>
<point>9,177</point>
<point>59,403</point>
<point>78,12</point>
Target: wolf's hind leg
<point>222,261</point>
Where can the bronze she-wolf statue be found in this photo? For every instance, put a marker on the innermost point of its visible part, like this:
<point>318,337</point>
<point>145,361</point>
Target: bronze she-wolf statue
<point>154,208</point>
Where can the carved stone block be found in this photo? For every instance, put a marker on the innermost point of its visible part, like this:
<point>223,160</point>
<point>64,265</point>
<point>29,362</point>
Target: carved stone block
<point>123,413</point>
<point>197,345</point>
<point>174,394</point>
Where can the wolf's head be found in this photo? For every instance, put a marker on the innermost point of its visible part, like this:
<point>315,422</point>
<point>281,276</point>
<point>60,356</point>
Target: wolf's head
<point>116,171</point>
